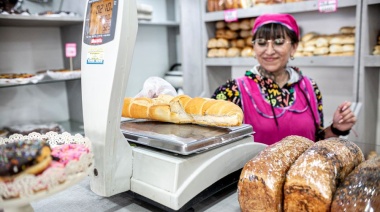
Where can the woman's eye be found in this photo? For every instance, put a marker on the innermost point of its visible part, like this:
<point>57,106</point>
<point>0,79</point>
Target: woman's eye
<point>279,41</point>
<point>261,42</point>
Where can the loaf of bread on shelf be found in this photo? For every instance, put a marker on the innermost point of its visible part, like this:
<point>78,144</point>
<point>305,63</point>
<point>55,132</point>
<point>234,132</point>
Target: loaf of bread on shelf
<point>184,109</point>
<point>233,52</point>
<point>313,178</point>
<point>262,178</point>
<point>360,190</point>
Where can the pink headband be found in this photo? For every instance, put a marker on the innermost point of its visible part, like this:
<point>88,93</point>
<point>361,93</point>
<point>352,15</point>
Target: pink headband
<point>284,19</point>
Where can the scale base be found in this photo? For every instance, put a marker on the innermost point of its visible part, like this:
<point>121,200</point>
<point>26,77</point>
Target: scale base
<point>173,180</point>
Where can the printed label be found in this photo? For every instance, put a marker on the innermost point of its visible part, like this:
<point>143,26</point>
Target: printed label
<point>327,6</point>
<point>71,49</point>
<point>230,15</point>
<point>95,55</point>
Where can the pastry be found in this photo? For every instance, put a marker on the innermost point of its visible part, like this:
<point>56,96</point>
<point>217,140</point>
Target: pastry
<point>245,24</point>
<point>313,178</point>
<point>212,52</point>
<point>247,52</point>
<point>262,178</point>
<point>308,36</point>
<point>212,43</point>
<point>65,153</point>
<point>23,157</point>
<point>222,43</point>
<point>347,30</point>
<point>220,25</point>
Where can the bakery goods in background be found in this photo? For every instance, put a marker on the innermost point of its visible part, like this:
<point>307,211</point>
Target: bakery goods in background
<point>360,190</point>
<point>219,5</point>
<point>262,178</point>
<point>339,44</point>
<point>313,178</point>
<point>183,109</point>
<point>233,39</point>
<point>376,48</point>
<point>26,129</point>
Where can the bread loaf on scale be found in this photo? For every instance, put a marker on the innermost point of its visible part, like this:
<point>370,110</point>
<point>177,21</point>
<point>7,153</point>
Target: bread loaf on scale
<point>183,109</point>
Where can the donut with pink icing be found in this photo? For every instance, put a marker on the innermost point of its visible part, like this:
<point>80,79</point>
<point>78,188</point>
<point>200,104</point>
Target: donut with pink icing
<point>65,153</point>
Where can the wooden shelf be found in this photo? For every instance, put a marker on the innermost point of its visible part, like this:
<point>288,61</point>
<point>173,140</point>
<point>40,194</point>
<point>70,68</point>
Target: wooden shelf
<point>296,7</point>
<point>317,61</point>
<point>372,61</point>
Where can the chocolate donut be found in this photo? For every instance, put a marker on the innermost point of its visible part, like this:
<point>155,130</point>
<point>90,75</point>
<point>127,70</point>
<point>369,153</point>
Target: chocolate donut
<point>23,157</point>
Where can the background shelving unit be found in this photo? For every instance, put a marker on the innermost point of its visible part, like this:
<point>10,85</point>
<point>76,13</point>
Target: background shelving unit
<point>33,43</point>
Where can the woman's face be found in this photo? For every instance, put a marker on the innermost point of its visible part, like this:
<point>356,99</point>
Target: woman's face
<point>273,55</point>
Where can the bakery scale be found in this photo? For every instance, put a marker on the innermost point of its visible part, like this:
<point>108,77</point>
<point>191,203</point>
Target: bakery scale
<point>166,164</point>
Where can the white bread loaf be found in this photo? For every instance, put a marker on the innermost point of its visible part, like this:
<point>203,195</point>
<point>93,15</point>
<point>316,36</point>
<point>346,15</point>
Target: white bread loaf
<point>313,178</point>
<point>262,178</point>
<point>184,109</point>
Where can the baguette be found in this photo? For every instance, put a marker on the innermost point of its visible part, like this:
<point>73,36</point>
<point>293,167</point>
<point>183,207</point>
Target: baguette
<point>184,109</point>
<point>262,178</point>
<point>312,180</point>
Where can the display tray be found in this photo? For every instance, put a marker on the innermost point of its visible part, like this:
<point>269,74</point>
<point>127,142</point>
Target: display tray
<point>184,139</point>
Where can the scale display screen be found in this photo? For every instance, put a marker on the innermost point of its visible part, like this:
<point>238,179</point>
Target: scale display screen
<point>100,21</point>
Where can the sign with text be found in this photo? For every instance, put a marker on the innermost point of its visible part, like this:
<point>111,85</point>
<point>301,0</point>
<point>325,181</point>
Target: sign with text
<point>230,15</point>
<point>327,6</point>
<point>71,49</point>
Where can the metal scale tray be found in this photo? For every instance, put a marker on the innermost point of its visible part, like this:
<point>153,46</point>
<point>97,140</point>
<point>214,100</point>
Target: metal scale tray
<point>183,139</point>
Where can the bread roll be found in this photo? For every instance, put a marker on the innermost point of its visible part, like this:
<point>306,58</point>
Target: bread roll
<point>348,48</point>
<point>233,52</point>
<point>321,51</point>
<point>247,52</point>
<point>222,43</point>
<point>222,52</point>
<point>229,34</point>
<point>220,33</point>
<point>248,41</point>
<point>240,43</point>
<point>262,178</point>
<point>184,109</point>
<point>245,24</point>
<point>360,190</point>
<point>312,180</point>
<point>220,25</point>
<point>212,52</point>
<point>376,50</point>
<point>308,36</point>
<point>335,48</point>
<point>347,30</point>
<point>212,43</point>
<point>234,26</point>
<point>245,33</point>
<point>322,41</point>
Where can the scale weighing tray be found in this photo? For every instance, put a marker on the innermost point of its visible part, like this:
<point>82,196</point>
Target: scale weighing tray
<point>183,139</point>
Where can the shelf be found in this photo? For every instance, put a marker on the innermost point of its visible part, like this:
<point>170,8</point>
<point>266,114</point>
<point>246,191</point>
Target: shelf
<point>161,23</point>
<point>296,7</point>
<point>43,81</point>
<point>317,61</point>
<point>372,61</point>
<point>38,21</point>
<point>373,2</point>
<point>43,21</point>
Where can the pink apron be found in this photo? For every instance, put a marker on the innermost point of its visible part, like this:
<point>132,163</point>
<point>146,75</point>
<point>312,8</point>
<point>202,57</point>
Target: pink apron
<point>296,119</point>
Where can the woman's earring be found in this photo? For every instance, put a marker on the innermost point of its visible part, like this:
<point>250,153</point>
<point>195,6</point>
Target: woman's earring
<point>291,57</point>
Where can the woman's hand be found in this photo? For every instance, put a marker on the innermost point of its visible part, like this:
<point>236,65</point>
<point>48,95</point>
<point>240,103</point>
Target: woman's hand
<point>344,119</point>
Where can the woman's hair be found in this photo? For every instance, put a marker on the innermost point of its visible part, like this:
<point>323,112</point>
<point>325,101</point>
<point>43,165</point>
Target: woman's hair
<point>275,30</point>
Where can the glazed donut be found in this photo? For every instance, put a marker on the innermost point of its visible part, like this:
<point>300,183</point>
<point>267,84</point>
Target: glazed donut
<point>23,157</point>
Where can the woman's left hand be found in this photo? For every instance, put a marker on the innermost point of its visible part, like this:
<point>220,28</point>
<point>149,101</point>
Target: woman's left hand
<point>344,119</point>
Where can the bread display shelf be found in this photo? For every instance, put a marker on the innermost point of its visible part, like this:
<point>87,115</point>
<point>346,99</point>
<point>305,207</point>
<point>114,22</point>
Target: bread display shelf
<point>296,7</point>
<point>332,61</point>
<point>39,21</point>
<point>43,81</point>
<point>372,61</point>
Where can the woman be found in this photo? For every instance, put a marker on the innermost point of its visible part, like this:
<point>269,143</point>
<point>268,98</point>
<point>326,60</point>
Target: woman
<point>278,100</point>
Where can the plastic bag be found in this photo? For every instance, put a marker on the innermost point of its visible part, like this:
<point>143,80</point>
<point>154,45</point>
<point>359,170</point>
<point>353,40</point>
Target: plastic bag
<point>155,86</point>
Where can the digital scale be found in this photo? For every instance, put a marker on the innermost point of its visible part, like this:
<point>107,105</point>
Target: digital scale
<point>166,164</point>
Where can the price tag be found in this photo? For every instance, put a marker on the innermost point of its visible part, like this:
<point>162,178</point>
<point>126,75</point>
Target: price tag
<point>71,49</point>
<point>327,6</point>
<point>230,15</point>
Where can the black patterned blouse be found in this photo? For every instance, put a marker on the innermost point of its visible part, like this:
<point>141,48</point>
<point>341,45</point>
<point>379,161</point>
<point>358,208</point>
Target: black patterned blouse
<point>230,91</point>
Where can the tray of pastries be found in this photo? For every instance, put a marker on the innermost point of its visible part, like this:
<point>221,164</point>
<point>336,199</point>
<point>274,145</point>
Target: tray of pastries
<point>19,78</point>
